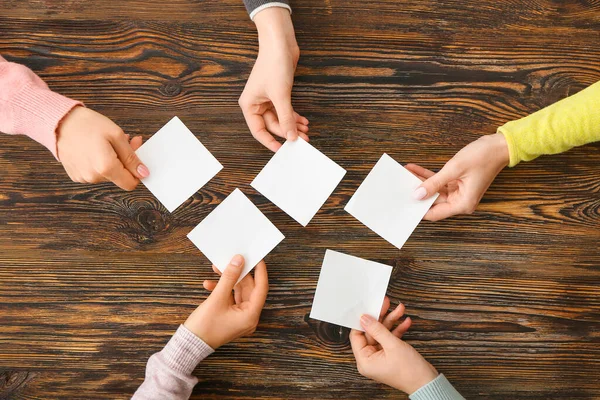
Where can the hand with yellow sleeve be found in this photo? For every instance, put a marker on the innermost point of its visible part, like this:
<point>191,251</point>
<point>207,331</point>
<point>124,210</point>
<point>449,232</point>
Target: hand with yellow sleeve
<point>462,182</point>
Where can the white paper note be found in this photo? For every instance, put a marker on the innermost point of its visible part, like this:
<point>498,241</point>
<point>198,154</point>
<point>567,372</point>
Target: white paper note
<point>299,179</point>
<point>348,288</point>
<point>236,226</point>
<point>179,164</point>
<point>384,202</point>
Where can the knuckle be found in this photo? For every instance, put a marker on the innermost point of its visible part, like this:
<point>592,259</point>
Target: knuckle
<point>361,368</point>
<point>471,206</point>
<point>90,178</point>
<point>116,133</point>
<point>130,159</point>
<point>243,101</point>
<point>104,167</point>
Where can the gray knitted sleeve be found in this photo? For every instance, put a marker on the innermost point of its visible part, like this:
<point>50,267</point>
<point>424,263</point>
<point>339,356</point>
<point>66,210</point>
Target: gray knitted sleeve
<point>255,6</point>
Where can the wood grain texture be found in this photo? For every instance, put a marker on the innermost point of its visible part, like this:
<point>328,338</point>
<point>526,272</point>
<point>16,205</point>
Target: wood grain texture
<point>505,302</point>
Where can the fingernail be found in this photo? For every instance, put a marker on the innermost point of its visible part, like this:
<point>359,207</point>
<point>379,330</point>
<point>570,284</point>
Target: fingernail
<point>290,136</point>
<point>143,170</point>
<point>237,260</point>
<point>420,193</point>
<point>366,319</point>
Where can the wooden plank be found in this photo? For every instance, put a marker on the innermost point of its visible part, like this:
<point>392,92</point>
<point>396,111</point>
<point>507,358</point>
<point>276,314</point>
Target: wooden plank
<point>504,301</point>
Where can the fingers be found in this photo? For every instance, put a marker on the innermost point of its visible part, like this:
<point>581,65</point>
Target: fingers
<point>384,309</point>
<point>358,341</point>
<point>286,117</point>
<point>419,172</point>
<point>441,211</point>
<point>402,328</point>
<point>258,129</point>
<point>301,120</point>
<point>377,330</point>
<point>393,317</point>
<point>272,125</point>
<point>136,143</point>
<point>209,285</point>
<point>115,172</point>
<point>435,183</point>
<point>128,158</point>
<point>229,277</point>
<point>261,286</point>
<point>243,290</point>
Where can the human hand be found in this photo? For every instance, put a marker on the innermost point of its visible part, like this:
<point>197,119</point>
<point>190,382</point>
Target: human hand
<point>464,179</point>
<point>267,98</point>
<point>94,149</point>
<point>382,355</point>
<point>225,316</point>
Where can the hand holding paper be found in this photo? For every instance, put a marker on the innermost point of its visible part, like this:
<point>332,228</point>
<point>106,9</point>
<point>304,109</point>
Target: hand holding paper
<point>464,179</point>
<point>388,359</point>
<point>226,316</point>
<point>93,149</point>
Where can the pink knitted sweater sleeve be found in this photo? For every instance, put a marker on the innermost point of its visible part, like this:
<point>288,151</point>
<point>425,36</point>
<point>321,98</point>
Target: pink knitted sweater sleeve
<point>29,107</point>
<point>169,372</point>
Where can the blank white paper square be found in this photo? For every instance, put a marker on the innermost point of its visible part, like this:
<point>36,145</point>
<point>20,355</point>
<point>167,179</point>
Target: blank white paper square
<point>236,226</point>
<point>179,164</point>
<point>384,202</point>
<point>299,179</point>
<point>348,288</point>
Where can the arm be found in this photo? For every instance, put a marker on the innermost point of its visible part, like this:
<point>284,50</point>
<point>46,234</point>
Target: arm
<point>29,107</point>
<point>91,147</point>
<point>382,355</point>
<point>221,318</point>
<point>169,372</point>
<point>464,179</point>
<point>571,122</point>
<point>266,101</point>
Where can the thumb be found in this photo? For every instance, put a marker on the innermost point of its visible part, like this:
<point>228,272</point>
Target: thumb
<point>286,117</point>
<point>128,158</point>
<point>377,331</point>
<point>229,276</point>
<point>434,184</point>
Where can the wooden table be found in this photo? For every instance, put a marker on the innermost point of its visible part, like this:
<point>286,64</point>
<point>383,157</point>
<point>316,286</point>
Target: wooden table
<point>505,302</point>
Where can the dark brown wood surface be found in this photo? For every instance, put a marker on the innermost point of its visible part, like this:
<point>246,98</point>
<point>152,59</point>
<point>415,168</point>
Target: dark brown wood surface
<point>505,302</point>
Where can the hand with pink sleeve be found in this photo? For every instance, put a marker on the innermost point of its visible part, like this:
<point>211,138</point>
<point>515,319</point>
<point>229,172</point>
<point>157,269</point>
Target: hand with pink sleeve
<point>90,146</point>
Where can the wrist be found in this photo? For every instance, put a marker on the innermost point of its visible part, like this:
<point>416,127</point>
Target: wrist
<point>200,333</point>
<point>499,149</point>
<point>276,30</point>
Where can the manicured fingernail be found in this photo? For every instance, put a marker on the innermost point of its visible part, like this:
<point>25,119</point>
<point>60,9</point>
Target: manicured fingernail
<point>366,319</point>
<point>237,260</point>
<point>143,170</point>
<point>290,136</point>
<point>420,193</point>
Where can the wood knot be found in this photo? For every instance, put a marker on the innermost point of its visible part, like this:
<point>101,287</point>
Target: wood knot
<point>151,221</point>
<point>171,88</point>
<point>11,381</point>
<point>143,221</point>
<point>331,335</point>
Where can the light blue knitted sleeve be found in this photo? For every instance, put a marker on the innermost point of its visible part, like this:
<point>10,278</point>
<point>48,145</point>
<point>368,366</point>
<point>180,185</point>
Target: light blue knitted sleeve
<point>438,389</point>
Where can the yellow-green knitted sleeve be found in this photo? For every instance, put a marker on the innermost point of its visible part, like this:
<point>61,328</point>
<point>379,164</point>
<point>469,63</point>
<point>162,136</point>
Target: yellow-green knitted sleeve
<point>571,122</point>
